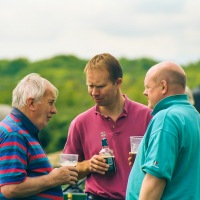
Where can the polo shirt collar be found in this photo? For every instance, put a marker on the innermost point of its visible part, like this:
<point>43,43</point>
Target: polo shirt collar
<point>31,128</point>
<point>170,101</point>
<point>125,110</point>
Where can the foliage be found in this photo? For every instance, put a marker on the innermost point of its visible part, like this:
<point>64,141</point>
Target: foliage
<point>66,73</point>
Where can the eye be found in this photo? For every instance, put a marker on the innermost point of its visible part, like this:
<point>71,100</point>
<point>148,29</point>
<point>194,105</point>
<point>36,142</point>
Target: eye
<point>100,86</point>
<point>90,86</point>
<point>51,103</point>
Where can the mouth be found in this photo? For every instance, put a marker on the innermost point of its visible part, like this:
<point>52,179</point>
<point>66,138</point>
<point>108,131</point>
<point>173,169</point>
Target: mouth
<point>48,118</point>
<point>96,99</point>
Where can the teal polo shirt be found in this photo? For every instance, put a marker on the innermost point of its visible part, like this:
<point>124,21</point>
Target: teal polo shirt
<point>171,150</point>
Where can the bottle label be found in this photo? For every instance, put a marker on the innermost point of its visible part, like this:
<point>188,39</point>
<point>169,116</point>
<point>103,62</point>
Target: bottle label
<point>110,160</point>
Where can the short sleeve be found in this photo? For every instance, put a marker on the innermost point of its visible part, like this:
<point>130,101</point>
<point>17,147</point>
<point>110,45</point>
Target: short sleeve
<point>13,161</point>
<point>161,151</point>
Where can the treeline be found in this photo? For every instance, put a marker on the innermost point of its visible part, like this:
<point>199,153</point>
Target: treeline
<point>66,73</point>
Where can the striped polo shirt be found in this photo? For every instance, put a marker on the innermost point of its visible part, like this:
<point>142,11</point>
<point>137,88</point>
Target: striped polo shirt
<point>21,154</point>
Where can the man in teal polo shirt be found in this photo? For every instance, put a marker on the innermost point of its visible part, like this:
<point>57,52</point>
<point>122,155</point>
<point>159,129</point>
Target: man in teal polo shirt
<point>168,162</point>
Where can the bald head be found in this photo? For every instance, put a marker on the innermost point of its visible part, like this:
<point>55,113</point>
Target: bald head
<point>171,72</point>
<point>162,80</point>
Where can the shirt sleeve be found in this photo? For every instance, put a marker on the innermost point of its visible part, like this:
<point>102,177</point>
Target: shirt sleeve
<point>73,144</point>
<point>161,150</point>
<point>13,162</point>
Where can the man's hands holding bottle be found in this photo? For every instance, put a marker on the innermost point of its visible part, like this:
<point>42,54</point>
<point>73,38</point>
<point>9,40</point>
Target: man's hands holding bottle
<point>98,164</point>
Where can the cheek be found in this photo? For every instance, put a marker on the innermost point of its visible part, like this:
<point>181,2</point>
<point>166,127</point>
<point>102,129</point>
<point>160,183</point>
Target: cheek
<point>156,97</point>
<point>112,90</point>
<point>152,97</point>
<point>108,93</point>
<point>90,92</point>
<point>44,111</point>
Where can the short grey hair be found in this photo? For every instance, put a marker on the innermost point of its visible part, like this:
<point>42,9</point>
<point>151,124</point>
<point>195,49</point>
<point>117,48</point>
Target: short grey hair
<point>31,86</point>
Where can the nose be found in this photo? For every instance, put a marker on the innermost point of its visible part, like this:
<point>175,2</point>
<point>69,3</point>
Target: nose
<point>94,91</point>
<point>145,92</point>
<point>54,109</point>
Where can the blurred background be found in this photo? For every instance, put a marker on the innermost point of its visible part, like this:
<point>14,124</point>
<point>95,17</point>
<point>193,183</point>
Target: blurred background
<point>55,38</point>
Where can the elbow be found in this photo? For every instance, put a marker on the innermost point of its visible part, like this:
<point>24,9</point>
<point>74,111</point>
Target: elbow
<point>8,192</point>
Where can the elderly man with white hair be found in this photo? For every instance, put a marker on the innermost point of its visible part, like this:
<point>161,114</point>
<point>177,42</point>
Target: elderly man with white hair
<point>25,171</point>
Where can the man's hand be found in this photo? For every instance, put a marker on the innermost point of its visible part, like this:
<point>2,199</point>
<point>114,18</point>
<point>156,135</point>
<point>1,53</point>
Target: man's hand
<point>131,159</point>
<point>35,185</point>
<point>65,175</point>
<point>98,164</point>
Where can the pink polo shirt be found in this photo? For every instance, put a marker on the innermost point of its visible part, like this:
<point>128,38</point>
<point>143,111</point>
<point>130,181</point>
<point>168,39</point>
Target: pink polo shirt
<point>84,139</point>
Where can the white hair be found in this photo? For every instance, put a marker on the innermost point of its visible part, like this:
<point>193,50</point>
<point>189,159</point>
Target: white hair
<point>190,95</point>
<point>31,86</point>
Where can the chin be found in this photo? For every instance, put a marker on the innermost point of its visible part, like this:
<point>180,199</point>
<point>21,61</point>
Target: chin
<point>44,125</point>
<point>150,106</point>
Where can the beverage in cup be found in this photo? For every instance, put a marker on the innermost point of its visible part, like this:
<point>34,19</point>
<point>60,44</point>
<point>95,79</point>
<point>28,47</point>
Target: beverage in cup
<point>68,159</point>
<point>135,142</point>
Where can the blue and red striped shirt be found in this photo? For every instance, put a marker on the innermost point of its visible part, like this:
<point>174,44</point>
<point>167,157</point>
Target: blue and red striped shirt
<point>21,154</point>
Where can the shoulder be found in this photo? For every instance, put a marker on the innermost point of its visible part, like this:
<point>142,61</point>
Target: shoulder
<point>86,115</point>
<point>12,127</point>
<point>167,119</point>
<point>9,124</point>
<point>137,106</point>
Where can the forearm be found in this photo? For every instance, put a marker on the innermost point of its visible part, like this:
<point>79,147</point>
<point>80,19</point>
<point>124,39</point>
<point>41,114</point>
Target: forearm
<point>29,187</point>
<point>84,169</point>
<point>35,185</point>
<point>152,188</point>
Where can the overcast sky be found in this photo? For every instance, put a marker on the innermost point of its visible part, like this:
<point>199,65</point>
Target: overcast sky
<point>159,29</point>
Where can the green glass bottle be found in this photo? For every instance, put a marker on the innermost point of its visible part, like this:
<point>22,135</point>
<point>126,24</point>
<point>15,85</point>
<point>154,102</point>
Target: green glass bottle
<point>107,154</point>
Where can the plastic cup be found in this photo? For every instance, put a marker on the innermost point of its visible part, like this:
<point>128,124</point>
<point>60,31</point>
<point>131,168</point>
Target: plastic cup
<point>135,142</point>
<point>68,159</point>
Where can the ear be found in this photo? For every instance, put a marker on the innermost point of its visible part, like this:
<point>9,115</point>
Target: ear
<point>164,86</point>
<point>30,103</point>
<point>119,82</point>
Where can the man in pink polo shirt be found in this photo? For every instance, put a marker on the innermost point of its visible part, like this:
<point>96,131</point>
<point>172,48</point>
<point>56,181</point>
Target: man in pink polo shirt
<point>114,114</point>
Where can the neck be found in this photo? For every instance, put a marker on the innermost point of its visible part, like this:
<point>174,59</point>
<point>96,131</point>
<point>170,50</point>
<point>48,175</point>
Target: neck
<point>113,111</point>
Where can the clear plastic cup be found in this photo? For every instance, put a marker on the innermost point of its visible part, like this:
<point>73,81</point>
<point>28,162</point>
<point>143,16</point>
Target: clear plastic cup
<point>68,159</point>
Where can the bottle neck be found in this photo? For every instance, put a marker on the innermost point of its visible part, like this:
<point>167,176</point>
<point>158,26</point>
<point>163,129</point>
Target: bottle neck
<point>104,143</point>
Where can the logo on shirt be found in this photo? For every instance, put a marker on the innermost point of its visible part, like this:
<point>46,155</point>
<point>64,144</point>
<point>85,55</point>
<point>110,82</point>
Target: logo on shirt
<point>155,163</point>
